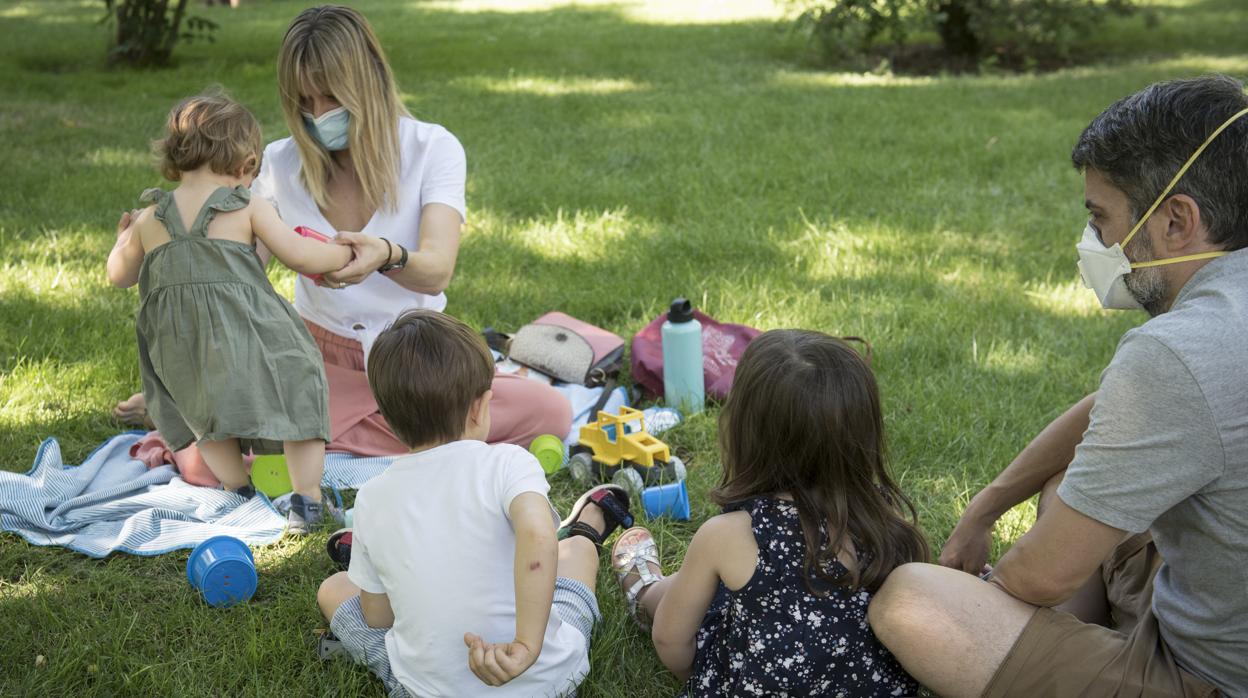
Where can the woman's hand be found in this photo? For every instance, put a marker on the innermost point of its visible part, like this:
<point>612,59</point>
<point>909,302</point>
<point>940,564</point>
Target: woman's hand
<point>370,254</point>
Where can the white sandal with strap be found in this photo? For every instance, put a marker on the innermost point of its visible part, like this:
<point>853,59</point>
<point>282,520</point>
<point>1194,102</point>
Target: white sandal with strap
<point>633,553</point>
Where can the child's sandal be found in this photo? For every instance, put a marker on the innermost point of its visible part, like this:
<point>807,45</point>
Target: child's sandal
<point>612,500</point>
<point>633,554</point>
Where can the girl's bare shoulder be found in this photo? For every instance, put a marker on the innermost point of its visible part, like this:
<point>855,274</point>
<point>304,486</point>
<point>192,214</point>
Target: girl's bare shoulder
<point>730,537</point>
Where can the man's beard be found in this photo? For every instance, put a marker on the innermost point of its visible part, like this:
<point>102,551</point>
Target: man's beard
<point>1146,285</point>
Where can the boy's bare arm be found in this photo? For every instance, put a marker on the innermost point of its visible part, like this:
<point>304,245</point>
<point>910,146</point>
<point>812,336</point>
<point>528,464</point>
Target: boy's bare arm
<point>537,555</point>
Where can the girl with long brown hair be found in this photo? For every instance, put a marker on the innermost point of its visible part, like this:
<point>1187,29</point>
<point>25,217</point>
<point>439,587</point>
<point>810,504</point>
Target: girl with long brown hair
<point>772,595</point>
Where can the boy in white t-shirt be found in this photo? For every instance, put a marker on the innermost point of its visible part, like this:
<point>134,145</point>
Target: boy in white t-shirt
<point>456,561</point>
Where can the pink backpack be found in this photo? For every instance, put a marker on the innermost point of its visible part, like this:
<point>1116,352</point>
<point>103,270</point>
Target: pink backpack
<point>722,346</point>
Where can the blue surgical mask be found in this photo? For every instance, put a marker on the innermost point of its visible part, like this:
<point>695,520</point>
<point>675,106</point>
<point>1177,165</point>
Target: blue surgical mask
<point>330,128</point>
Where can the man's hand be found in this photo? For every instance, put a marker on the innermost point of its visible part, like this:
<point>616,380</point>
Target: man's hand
<point>968,545</point>
<point>496,664</point>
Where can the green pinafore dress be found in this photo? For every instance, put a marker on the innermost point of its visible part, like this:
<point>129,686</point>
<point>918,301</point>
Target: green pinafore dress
<point>221,353</point>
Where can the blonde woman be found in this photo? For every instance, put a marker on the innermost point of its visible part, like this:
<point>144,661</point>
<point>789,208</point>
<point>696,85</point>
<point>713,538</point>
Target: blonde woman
<point>357,160</point>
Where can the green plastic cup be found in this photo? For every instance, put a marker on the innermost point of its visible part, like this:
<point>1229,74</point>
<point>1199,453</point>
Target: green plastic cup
<point>269,475</point>
<point>549,451</point>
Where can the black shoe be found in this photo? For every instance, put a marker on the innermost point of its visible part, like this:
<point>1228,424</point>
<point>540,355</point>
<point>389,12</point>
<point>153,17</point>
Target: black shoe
<point>303,515</point>
<point>339,548</point>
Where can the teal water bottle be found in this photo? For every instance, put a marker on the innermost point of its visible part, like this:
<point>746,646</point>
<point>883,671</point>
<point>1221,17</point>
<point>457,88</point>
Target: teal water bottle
<point>683,385</point>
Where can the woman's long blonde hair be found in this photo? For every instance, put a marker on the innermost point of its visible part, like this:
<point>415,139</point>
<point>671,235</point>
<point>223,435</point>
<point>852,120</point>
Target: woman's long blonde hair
<point>333,50</point>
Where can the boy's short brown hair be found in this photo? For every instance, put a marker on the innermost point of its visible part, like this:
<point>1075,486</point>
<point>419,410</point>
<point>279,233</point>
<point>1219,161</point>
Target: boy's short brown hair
<point>209,129</point>
<point>425,371</point>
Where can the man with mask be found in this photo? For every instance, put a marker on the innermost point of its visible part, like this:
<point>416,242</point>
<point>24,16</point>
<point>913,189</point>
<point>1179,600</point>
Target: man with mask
<point>1152,467</point>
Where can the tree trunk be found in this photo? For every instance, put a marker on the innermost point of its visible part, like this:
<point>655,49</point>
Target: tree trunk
<point>955,30</point>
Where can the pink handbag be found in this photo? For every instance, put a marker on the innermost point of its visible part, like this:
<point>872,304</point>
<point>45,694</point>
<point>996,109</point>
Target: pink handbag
<point>722,346</point>
<point>571,350</point>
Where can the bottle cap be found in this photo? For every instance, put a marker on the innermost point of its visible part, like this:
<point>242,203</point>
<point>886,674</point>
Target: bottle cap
<point>682,311</point>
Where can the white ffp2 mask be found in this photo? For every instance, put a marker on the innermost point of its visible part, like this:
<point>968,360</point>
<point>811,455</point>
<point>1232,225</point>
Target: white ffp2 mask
<point>1104,270</point>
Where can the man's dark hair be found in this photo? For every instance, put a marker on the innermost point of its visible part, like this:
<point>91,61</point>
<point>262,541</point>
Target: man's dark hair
<point>1140,142</point>
<point>425,371</point>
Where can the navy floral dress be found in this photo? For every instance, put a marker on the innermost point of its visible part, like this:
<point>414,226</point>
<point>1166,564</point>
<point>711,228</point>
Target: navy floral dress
<point>772,637</point>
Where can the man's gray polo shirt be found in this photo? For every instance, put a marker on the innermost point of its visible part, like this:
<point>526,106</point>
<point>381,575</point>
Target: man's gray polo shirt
<point>1167,451</point>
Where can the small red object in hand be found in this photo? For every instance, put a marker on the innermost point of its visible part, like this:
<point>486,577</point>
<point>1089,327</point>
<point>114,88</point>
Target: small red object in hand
<point>307,232</point>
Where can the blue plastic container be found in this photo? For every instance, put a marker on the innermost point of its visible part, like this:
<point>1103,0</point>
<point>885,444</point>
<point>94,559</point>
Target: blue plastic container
<point>223,570</point>
<point>666,500</point>
<point>683,384</point>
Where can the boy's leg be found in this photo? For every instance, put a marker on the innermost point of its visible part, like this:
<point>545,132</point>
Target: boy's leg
<point>578,560</point>
<point>578,556</point>
<point>305,461</point>
<point>225,461</point>
<point>577,575</point>
<point>334,592</point>
<point>339,600</point>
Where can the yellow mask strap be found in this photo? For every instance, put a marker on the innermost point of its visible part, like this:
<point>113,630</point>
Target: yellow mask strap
<point>1176,260</point>
<point>1166,192</point>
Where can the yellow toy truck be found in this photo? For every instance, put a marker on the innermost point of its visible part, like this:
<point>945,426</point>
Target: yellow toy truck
<point>618,448</point>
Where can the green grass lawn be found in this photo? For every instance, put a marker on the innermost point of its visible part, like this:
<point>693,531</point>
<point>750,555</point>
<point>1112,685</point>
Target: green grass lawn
<point>619,155</point>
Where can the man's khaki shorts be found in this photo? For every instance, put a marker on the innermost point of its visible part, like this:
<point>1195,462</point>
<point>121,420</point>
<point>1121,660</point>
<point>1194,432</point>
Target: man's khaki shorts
<point>1058,655</point>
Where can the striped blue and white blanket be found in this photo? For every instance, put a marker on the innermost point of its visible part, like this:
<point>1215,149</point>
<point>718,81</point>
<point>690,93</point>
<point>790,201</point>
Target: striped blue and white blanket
<point>113,502</point>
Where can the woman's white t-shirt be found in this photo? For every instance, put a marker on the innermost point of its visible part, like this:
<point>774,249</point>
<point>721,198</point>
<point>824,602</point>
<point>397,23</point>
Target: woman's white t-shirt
<point>432,169</point>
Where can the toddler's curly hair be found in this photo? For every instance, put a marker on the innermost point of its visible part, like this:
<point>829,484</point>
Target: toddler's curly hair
<point>209,129</point>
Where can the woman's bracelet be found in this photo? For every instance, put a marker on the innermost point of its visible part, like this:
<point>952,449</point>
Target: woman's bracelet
<point>389,266</point>
<point>389,254</point>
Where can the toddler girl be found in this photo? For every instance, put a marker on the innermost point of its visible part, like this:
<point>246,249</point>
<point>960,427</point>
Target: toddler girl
<point>226,362</point>
<point>772,596</point>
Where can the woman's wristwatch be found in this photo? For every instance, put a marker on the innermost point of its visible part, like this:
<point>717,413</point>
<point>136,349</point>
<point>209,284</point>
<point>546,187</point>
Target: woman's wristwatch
<point>393,266</point>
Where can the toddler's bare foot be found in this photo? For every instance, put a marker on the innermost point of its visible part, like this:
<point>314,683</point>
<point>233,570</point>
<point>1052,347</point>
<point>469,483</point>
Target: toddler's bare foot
<point>133,411</point>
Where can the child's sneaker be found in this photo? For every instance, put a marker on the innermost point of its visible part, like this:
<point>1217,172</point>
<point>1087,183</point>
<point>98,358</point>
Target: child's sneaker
<point>303,515</point>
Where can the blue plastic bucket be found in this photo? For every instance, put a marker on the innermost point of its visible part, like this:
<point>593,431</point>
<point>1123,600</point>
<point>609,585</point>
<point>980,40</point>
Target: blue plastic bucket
<point>223,570</point>
<point>666,500</point>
